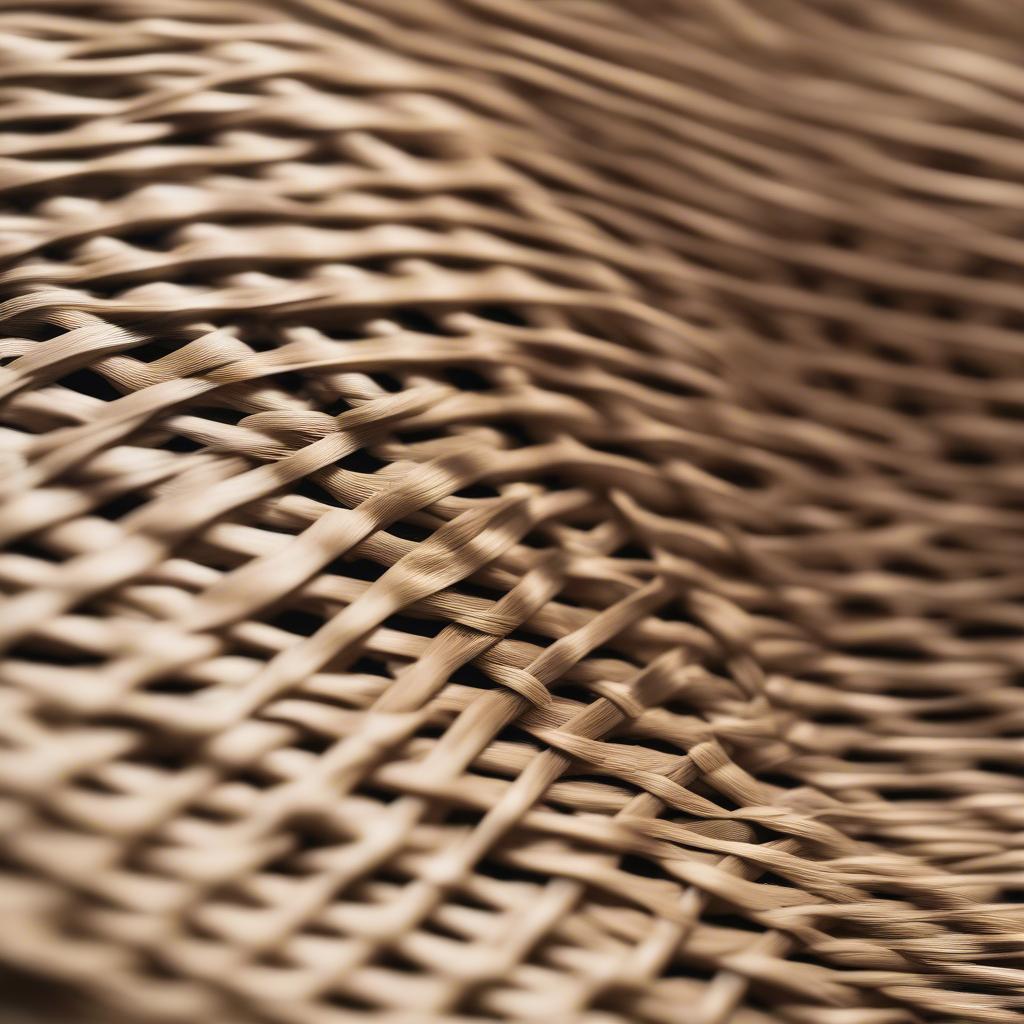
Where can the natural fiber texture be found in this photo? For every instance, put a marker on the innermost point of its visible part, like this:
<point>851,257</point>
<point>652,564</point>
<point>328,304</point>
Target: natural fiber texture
<point>513,510</point>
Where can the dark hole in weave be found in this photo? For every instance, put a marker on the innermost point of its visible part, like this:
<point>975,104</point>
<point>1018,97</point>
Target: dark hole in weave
<point>988,631</point>
<point>837,718</point>
<point>965,455</point>
<point>838,332</point>
<point>610,787</point>
<point>321,930</point>
<point>31,549</point>
<point>650,743</point>
<point>433,926</point>
<point>517,433</point>
<point>980,988</point>
<point>831,381</point>
<point>507,872</point>
<point>154,349</point>
<point>635,864</point>
<point>463,817</point>
<point>864,605</point>
<point>910,404</point>
<point>410,531</point>
<point>472,588</point>
<point>610,652</point>
<point>935,492</point>
<point>770,878</point>
<point>415,437</point>
<point>361,461</point>
<point>489,198</point>
<point>63,250</point>
<point>297,622</point>
<point>739,474</point>
<point>857,756</point>
<point>910,567</point>
<point>527,637</point>
<point>1001,767</point>
<point>701,788</point>
<point>414,319</point>
<point>550,483</point>
<point>211,814</point>
<point>577,693</point>
<point>290,381</point>
<point>950,542</point>
<point>1008,410</point>
<point>346,1001</point>
<point>274,960</point>
<point>370,666</point>
<point>671,387</point>
<point>466,379</point>
<point>502,315</point>
<point>376,793</point>
<point>253,776</point>
<point>734,922</point>
<point>310,742</point>
<point>918,691</point>
<point>219,414</point>
<point>174,686</point>
<point>886,651</point>
<point>423,145</point>
<point>806,277</point>
<point>470,675</point>
<point>153,965</point>
<point>536,539</point>
<point>48,652</point>
<point>687,968</point>
<point>153,237</point>
<point>881,298</point>
<point>387,381</point>
<point>478,491</point>
<point>393,960</point>
<point>417,627</point>
<point>968,367</point>
<point>632,552</point>
<point>780,779</point>
<point>308,489</point>
<point>391,191</point>
<point>892,354</point>
<point>95,785</point>
<point>625,451</point>
<point>513,734</point>
<point>87,382</point>
<point>800,956</point>
<point>911,792</point>
<point>356,569</point>
<point>120,506</point>
<point>955,714</point>
<point>337,407</point>
<point>466,897</point>
<point>42,124</point>
<point>181,444</point>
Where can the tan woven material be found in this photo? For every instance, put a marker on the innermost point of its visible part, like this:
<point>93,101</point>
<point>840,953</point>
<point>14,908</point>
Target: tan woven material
<point>513,510</point>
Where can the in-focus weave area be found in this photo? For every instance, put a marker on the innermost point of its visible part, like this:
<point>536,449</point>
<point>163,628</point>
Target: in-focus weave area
<point>513,510</point>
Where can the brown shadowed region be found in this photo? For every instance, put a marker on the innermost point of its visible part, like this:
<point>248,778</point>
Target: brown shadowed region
<point>512,511</point>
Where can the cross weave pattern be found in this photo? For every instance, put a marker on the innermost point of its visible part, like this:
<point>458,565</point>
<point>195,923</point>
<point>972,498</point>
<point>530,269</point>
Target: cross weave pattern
<point>512,511</point>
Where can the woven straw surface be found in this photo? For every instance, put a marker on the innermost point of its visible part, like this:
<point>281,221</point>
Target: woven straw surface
<point>513,510</point>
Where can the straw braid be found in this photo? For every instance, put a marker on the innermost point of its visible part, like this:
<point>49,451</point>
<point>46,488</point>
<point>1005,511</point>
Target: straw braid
<point>512,511</point>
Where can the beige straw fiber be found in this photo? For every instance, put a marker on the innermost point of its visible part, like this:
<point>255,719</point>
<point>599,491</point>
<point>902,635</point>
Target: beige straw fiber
<point>512,511</point>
